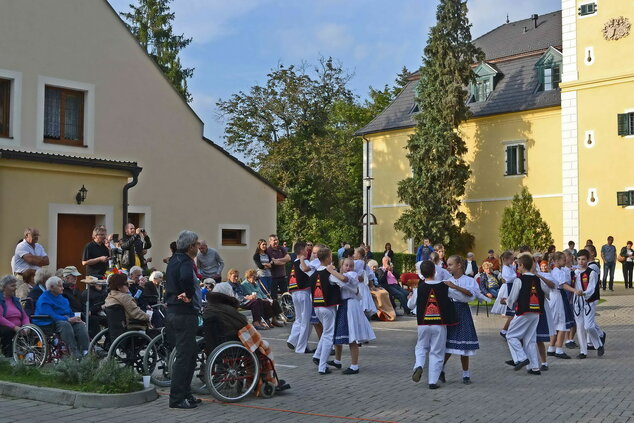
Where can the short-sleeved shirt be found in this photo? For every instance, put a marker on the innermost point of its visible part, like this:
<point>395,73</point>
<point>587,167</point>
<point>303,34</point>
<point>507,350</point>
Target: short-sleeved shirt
<point>277,270</point>
<point>23,248</point>
<point>93,250</point>
<point>609,253</point>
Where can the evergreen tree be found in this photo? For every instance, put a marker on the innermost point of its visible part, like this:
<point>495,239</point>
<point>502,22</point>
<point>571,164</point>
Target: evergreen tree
<point>379,99</point>
<point>151,23</point>
<point>522,224</point>
<point>436,149</point>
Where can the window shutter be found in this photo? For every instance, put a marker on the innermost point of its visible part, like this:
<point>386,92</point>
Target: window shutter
<point>556,75</point>
<point>508,160</point>
<point>624,124</point>
<point>521,168</point>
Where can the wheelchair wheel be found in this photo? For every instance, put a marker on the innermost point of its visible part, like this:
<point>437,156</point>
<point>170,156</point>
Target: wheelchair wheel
<point>199,369</point>
<point>99,344</point>
<point>30,346</point>
<point>232,372</point>
<point>286,303</point>
<point>130,349</point>
<point>158,369</point>
<point>267,390</point>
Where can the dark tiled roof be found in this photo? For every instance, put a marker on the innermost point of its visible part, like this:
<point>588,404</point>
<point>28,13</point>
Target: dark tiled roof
<point>516,84</point>
<point>36,156</point>
<point>510,39</point>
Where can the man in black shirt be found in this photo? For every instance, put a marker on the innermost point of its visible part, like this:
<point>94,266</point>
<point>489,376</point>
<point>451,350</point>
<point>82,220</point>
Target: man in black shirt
<point>96,254</point>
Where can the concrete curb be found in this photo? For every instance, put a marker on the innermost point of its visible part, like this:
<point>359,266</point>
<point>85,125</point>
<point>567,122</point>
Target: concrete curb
<point>74,398</point>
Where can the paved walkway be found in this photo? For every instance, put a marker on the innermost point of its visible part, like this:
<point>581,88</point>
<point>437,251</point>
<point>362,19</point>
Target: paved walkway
<point>594,390</point>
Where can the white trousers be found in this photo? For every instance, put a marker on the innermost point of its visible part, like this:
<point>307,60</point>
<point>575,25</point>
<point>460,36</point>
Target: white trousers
<point>587,329</point>
<point>431,340</point>
<point>522,339</point>
<point>300,331</point>
<point>326,316</point>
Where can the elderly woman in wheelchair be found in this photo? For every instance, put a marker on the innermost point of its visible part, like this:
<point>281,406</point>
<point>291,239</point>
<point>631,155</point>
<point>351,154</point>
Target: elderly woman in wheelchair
<point>236,364</point>
<point>126,338</point>
<point>53,310</point>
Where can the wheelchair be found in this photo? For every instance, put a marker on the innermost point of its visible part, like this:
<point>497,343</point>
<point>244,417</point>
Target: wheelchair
<point>35,345</point>
<point>286,303</point>
<point>131,348</point>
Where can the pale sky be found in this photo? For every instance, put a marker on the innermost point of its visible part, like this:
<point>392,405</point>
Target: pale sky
<point>237,42</point>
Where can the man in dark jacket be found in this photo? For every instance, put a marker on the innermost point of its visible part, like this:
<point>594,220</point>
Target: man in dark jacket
<point>182,296</point>
<point>134,243</point>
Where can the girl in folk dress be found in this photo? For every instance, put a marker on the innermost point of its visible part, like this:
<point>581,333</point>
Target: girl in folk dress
<point>568,270</point>
<point>508,276</point>
<point>365,274</point>
<point>462,338</point>
<point>351,325</point>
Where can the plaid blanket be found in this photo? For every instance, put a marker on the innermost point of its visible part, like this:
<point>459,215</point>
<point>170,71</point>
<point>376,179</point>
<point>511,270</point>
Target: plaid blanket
<point>252,340</point>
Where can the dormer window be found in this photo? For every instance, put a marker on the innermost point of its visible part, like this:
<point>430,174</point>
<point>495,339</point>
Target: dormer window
<point>549,70</point>
<point>414,109</point>
<point>484,83</point>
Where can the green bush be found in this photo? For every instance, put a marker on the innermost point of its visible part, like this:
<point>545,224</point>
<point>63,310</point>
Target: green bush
<point>114,378</point>
<point>71,371</point>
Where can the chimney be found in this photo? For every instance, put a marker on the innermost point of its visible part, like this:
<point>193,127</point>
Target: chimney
<point>534,18</point>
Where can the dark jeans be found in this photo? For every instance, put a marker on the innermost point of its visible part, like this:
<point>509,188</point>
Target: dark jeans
<point>74,335</point>
<point>279,286</point>
<point>608,267</point>
<point>628,268</point>
<point>6,339</point>
<point>181,332</point>
<point>400,294</point>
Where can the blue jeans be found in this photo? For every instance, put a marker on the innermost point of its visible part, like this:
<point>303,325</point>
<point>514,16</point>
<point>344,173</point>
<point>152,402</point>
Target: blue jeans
<point>399,293</point>
<point>608,267</point>
<point>267,281</point>
<point>493,291</point>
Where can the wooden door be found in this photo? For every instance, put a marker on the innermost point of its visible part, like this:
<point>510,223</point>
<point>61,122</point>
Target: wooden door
<point>74,231</point>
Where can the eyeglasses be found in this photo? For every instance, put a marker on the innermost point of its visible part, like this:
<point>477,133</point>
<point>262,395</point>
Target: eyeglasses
<point>309,245</point>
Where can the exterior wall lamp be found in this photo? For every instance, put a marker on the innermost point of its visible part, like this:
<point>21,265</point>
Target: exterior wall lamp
<point>81,195</point>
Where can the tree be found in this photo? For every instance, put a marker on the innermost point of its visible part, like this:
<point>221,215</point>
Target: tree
<point>297,131</point>
<point>379,99</point>
<point>522,224</point>
<point>151,23</point>
<point>436,149</point>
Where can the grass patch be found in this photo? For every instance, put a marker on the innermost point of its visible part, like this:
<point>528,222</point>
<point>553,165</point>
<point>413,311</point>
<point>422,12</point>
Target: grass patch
<point>88,375</point>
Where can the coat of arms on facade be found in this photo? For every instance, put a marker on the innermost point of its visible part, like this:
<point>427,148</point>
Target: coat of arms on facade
<point>616,28</point>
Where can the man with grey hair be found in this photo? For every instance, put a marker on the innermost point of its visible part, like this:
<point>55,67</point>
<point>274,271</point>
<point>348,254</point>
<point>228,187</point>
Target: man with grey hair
<point>28,253</point>
<point>184,302</point>
<point>470,267</point>
<point>71,329</point>
<point>209,262</point>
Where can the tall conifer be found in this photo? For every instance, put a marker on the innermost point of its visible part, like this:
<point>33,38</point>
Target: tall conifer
<point>436,149</point>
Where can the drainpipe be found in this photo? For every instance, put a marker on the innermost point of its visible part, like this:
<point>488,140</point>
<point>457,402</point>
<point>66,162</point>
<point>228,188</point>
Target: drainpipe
<point>135,179</point>
<point>367,189</point>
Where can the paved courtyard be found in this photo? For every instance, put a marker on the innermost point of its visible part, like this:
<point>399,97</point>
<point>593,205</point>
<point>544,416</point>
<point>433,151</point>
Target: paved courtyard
<point>594,390</point>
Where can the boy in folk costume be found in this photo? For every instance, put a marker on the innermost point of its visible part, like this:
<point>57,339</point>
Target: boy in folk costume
<point>594,265</point>
<point>434,312</point>
<point>585,303</point>
<point>326,298</point>
<point>299,287</point>
<point>527,298</point>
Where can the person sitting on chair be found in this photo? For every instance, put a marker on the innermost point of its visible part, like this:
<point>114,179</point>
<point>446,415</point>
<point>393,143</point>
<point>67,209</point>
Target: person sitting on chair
<point>12,316</point>
<point>221,318</point>
<point>71,329</point>
<point>119,295</point>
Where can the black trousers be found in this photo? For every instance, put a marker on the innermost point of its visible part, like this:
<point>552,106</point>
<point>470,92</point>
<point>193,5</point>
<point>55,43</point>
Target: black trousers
<point>628,268</point>
<point>6,339</point>
<point>279,286</point>
<point>181,332</point>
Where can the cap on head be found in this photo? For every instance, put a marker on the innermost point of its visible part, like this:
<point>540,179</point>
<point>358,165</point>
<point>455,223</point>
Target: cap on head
<point>70,270</point>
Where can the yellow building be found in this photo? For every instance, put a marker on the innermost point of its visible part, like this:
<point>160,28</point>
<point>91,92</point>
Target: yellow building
<point>548,85</point>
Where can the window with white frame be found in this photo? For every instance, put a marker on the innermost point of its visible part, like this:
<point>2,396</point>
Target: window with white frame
<point>5,107</point>
<point>484,84</point>
<point>233,237</point>
<point>515,159</point>
<point>63,116</point>
<point>587,9</point>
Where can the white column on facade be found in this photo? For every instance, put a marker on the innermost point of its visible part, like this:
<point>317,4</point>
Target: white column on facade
<point>569,125</point>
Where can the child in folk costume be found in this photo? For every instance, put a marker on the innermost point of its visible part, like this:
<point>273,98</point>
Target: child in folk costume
<point>351,325</point>
<point>326,298</point>
<point>434,313</point>
<point>545,327</point>
<point>299,287</point>
<point>441,273</point>
<point>569,268</point>
<point>563,318</point>
<point>585,303</point>
<point>527,298</point>
<point>595,266</point>
<point>314,263</point>
<point>508,275</point>
<point>366,276</point>
<point>462,338</point>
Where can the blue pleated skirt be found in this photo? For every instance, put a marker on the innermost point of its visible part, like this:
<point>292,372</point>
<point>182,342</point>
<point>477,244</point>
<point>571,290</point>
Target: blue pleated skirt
<point>462,338</point>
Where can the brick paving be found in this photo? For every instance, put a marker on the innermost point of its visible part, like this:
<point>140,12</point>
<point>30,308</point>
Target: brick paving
<point>593,390</point>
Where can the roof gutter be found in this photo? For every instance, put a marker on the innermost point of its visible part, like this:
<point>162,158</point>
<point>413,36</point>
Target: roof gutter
<point>126,188</point>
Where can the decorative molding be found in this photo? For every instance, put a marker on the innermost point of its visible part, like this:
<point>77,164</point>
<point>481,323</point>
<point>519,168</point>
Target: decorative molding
<point>616,28</point>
